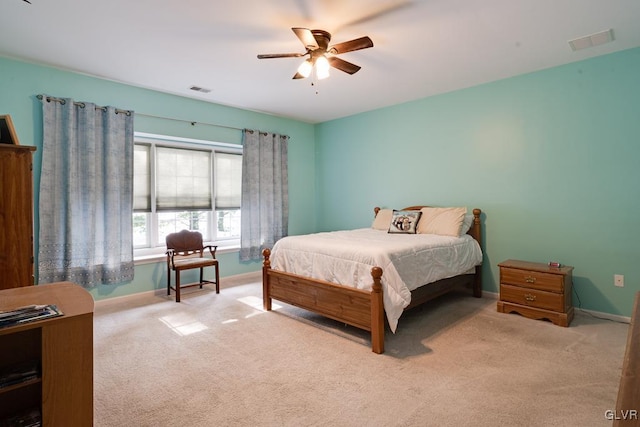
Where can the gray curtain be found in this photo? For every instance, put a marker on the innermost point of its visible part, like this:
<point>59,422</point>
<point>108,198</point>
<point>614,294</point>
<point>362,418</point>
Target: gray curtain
<point>86,194</point>
<point>265,196</point>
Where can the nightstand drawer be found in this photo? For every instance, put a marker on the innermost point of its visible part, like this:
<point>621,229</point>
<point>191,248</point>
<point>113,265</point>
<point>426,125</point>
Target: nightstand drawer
<point>532,279</point>
<point>532,297</point>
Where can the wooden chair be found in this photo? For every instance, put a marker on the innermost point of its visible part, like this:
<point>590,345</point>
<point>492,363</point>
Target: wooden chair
<point>185,251</point>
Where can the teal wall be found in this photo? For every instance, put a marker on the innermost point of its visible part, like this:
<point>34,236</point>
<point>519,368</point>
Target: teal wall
<point>20,82</point>
<point>552,158</point>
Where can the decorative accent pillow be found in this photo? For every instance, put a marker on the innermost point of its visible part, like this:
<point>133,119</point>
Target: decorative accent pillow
<point>404,222</point>
<point>382,219</point>
<point>442,221</point>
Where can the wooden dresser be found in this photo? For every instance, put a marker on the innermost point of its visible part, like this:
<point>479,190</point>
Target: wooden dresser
<point>536,291</point>
<point>16,216</point>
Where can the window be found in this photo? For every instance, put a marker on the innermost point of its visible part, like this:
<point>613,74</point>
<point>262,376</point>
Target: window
<point>185,184</point>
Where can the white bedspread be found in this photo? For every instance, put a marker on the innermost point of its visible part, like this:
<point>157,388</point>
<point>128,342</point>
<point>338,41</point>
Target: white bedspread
<point>408,261</point>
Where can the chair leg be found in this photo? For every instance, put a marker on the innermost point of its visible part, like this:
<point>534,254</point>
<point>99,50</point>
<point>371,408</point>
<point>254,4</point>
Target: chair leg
<point>168,280</point>
<point>217,280</point>
<point>177,285</point>
<point>201,276</point>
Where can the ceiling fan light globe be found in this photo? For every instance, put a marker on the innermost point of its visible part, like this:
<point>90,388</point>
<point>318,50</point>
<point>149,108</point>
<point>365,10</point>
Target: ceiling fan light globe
<point>322,74</point>
<point>305,68</point>
<point>322,67</point>
<point>322,63</point>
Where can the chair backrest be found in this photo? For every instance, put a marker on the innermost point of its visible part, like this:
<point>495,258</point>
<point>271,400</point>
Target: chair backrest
<point>185,242</point>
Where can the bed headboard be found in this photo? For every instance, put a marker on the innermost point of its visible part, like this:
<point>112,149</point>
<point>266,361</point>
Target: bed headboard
<point>475,231</point>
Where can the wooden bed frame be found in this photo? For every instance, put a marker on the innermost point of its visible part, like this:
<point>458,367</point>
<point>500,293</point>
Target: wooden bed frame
<point>360,308</point>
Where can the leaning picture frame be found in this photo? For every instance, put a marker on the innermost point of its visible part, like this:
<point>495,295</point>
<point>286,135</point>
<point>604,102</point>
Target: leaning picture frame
<point>7,132</point>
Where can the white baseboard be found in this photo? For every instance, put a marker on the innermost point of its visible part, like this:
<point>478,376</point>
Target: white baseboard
<point>253,276</point>
<point>601,315</point>
<point>241,279</point>
<point>225,282</point>
<point>598,314</point>
<point>119,299</point>
<point>492,295</point>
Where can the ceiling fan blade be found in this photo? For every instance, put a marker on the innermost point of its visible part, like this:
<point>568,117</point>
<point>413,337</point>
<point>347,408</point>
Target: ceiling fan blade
<point>298,76</point>
<point>343,65</point>
<point>351,45</point>
<point>306,37</point>
<point>280,55</point>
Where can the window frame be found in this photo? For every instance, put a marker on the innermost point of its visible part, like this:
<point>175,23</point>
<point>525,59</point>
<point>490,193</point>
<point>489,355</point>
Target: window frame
<point>156,250</point>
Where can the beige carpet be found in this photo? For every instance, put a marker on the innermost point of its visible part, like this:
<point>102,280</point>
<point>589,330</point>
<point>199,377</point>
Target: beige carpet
<point>219,360</point>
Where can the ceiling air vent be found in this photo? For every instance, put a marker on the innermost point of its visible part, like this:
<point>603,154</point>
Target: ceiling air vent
<point>593,40</point>
<point>200,89</point>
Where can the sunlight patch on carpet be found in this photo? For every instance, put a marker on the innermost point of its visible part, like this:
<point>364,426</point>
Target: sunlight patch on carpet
<point>183,324</point>
<point>255,302</point>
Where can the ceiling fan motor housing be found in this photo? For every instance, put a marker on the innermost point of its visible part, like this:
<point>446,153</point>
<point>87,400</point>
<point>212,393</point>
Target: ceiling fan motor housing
<point>322,38</point>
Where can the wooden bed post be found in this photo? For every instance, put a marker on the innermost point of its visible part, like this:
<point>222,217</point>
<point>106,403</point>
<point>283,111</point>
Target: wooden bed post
<point>377,312</point>
<point>477,234</point>
<point>266,266</point>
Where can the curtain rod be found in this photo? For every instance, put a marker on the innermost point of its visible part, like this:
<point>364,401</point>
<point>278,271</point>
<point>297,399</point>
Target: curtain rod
<point>193,123</point>
<point>129,112</point>
<point>81,104</point>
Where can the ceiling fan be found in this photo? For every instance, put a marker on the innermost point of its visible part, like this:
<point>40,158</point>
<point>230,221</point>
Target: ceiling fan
<point>321,55</point>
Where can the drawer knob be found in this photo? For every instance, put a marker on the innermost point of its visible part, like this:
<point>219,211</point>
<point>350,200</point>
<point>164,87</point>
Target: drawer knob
<point>529,297</point>
<point>530,279</point>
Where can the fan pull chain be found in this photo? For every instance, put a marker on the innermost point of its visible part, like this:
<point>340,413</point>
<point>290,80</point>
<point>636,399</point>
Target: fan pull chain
<point>315,85</point>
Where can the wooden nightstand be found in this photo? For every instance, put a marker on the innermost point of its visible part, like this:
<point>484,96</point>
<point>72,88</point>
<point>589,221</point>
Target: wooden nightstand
<point>536,291</point>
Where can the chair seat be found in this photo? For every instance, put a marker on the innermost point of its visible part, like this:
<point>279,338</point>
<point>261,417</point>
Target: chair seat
<point>188,263</point>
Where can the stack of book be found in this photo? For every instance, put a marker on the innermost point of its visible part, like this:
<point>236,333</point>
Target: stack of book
<point>30,418</point>
<point>12,375</point>
<point>28,313</point>
<point>18,373</point>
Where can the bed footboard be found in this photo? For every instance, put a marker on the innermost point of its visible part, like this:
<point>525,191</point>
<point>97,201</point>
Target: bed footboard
<point>356,307</point>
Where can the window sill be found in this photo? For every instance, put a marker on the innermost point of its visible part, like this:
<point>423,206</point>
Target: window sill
<point>162,257</point>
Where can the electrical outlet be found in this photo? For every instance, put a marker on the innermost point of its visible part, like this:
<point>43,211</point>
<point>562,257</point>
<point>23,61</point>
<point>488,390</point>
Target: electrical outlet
<point>618,280</point>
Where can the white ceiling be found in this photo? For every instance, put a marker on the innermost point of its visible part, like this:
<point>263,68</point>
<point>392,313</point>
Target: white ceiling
<point>422,47</point>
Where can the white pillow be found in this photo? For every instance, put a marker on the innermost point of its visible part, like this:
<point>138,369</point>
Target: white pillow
<point>442,221</point>
<point>382,221</point>
<point>467,222</point>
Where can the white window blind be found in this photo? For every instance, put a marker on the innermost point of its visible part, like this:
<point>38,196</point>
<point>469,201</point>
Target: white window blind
<point>141,178</point>
<point>183,181</point>
<point>228,169</point>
